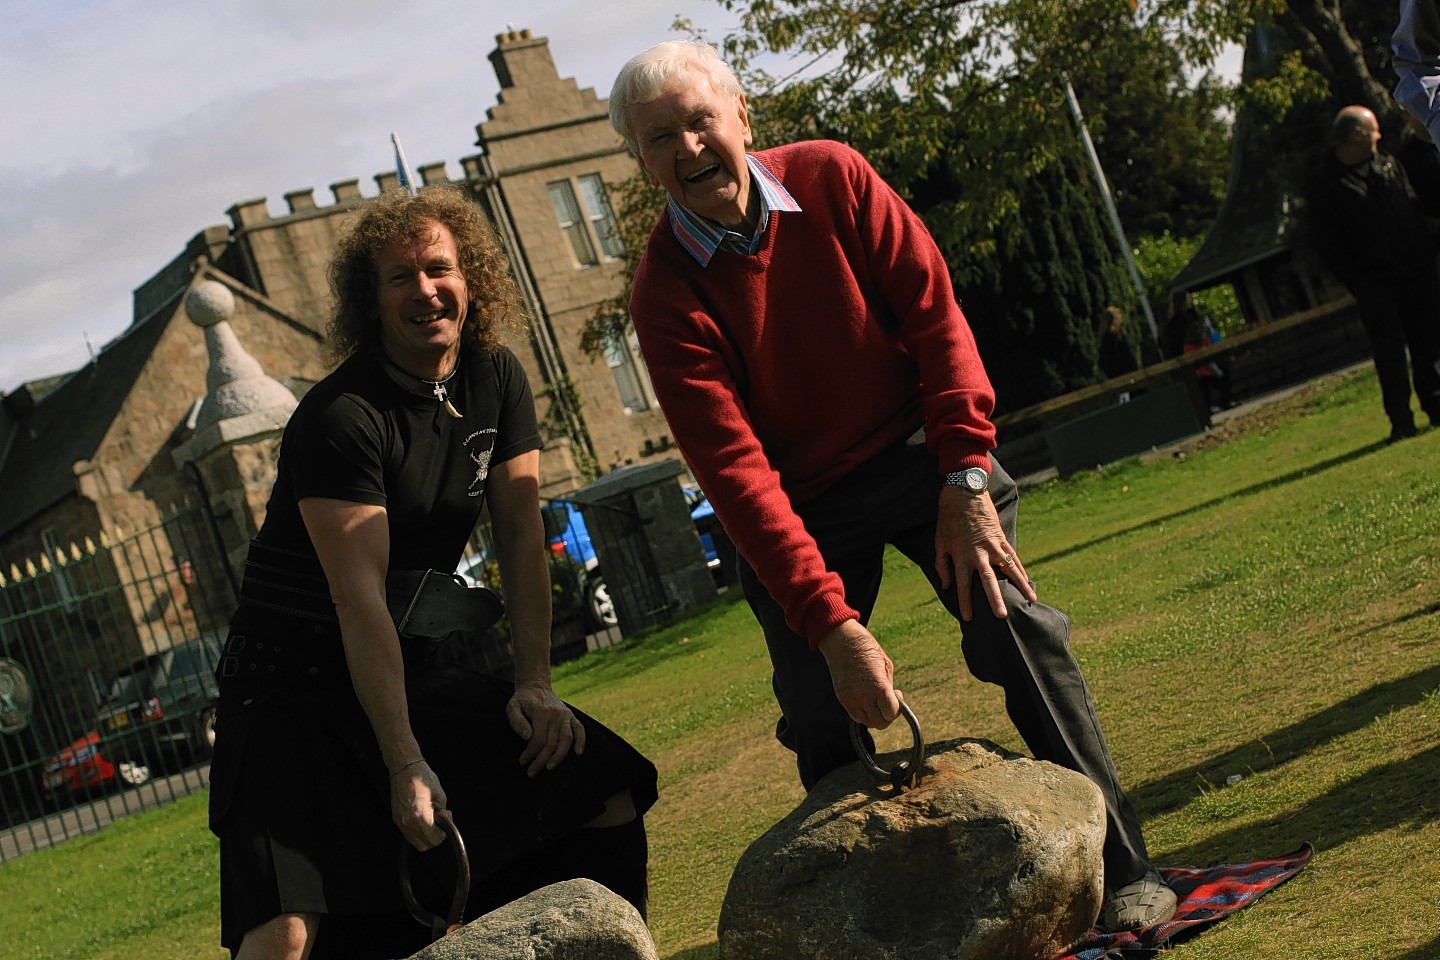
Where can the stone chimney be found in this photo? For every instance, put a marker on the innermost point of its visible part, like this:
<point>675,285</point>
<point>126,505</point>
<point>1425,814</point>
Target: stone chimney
<point>521,60</point>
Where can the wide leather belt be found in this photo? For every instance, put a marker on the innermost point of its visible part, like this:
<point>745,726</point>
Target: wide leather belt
<point>425,604</point>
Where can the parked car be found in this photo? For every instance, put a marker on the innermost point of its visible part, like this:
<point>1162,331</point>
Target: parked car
<point>707,525</point>
<point>476,569</point>
<point>162,708</point>
<point>81,769</point>
<point>567,535</point>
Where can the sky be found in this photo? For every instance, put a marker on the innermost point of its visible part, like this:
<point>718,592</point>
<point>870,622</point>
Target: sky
<point>131,125</point>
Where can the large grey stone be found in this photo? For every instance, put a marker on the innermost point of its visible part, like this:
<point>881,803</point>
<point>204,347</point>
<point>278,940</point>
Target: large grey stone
<point>574,920</point>
<point>992,856</point>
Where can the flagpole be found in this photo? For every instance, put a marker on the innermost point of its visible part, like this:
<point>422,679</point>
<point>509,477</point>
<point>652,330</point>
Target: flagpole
<point>1110,209</point>
<point>402,167</point>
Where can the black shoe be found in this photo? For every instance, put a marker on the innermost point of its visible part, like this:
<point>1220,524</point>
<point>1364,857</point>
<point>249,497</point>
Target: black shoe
<point>1401,433</point>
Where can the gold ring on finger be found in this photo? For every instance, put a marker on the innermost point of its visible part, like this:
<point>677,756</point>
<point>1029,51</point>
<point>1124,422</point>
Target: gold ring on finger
<point>1005,560</point>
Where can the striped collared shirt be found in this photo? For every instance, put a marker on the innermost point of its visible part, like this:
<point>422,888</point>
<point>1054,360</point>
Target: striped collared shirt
<point>702,236</point>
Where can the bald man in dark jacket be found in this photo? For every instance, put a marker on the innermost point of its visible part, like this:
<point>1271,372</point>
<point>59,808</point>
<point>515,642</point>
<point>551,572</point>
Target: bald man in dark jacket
<point>1370,232</point>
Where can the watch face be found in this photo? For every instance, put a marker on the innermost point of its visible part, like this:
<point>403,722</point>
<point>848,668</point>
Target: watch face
<point>971,480</point>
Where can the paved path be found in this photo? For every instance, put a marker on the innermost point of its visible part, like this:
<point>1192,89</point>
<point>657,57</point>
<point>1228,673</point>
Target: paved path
<point>1219,417</point>
<point>86,818</point>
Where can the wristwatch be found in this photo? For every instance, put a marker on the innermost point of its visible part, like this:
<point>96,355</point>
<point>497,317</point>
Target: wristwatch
<point>972,480</point>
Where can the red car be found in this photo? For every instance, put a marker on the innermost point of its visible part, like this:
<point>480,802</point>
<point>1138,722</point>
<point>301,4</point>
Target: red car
<point>81,767</point>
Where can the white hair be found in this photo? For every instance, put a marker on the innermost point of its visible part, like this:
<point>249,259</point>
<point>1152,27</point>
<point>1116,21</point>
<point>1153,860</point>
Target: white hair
<point>644,78</point>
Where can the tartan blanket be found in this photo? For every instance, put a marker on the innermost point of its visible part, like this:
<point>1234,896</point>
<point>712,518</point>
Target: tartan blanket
<point>1206,896</point>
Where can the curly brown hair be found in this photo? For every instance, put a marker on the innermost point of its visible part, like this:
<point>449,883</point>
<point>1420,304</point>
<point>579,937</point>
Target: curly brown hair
<point>495,305</point>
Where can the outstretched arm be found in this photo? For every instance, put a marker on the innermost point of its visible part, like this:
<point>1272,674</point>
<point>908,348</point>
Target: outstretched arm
<point>352,541</point>
<point>536,714</point>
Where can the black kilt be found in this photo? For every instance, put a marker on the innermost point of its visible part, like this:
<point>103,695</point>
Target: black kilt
<point>300,796</point>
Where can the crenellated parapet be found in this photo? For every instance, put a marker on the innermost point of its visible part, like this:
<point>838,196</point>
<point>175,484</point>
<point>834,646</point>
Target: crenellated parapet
<point>255,212</point>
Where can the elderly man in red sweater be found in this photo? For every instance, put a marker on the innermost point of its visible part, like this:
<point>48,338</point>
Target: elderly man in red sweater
<point>804,341</point>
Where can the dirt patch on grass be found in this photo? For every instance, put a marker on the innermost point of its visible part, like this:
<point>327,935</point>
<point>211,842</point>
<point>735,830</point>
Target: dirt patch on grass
<point>1261,416</point>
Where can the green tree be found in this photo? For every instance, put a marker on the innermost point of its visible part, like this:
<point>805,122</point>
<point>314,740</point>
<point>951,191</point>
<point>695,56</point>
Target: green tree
<point>1043,302</point>
<point>1162,138</point>
<point>959,105</point>
<point>971,127</point>
<point>1159,258</point>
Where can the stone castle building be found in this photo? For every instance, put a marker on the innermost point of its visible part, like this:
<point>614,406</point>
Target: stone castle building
<point>95,449</point>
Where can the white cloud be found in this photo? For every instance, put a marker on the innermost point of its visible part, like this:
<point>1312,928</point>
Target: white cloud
<point>131,125</point>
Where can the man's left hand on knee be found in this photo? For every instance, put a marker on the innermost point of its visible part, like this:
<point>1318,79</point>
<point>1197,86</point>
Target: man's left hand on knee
<point>969,539</point>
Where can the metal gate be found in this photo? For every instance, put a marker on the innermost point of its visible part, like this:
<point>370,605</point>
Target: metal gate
<point>107,650</point>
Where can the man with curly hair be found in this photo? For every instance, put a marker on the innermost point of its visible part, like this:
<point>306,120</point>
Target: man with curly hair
<point>337,723</point>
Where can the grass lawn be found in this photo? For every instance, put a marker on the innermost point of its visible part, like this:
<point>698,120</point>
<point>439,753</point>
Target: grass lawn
<point>1267,607</point>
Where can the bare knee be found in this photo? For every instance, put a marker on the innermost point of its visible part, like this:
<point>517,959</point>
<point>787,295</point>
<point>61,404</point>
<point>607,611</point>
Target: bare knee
<point>286,937</point>
<point>619,810</point>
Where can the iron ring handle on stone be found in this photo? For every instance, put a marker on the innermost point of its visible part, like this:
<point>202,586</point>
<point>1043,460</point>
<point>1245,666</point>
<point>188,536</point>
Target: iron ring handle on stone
<point>439,926</point>
<point>906,771</point>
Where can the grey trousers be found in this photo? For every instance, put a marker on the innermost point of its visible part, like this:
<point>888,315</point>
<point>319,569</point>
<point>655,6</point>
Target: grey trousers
<point>893,499</point>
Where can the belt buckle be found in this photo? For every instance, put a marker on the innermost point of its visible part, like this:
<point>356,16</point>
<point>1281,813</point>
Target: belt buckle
<point>414,601</point>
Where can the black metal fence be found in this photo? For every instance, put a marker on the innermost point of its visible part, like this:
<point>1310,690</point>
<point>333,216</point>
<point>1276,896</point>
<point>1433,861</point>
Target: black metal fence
<point>107,646</point>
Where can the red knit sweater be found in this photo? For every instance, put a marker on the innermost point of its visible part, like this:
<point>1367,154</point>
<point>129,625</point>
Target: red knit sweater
<point>782,371</point>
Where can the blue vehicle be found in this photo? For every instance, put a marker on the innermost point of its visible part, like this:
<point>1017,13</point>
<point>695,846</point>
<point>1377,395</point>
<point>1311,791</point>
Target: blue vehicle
<point>567,534</point>
<point>707,525</point>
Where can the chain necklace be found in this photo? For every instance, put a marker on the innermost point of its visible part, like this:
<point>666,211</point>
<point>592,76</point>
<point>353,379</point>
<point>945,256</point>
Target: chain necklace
<point>437,387</point>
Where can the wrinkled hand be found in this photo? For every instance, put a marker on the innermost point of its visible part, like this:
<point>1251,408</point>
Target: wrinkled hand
<point>969,539</point>
<point>547,725</point>
<point>863,675</point>
<point>415,795</point>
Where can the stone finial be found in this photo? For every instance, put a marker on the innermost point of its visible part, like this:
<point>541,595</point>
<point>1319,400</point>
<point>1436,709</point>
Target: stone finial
<point>209,303</point>
<point>236,384</point>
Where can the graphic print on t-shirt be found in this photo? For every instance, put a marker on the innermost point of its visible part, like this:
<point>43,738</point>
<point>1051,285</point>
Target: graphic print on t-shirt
<point>481,458</point>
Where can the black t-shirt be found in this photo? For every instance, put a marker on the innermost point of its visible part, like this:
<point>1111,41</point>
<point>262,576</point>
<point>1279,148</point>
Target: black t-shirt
<point>359,435</point>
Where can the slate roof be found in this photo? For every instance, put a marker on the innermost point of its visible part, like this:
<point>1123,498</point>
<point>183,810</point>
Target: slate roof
<point>1258,217</point>
<point>1257,220</point>
<point>70,422</point>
